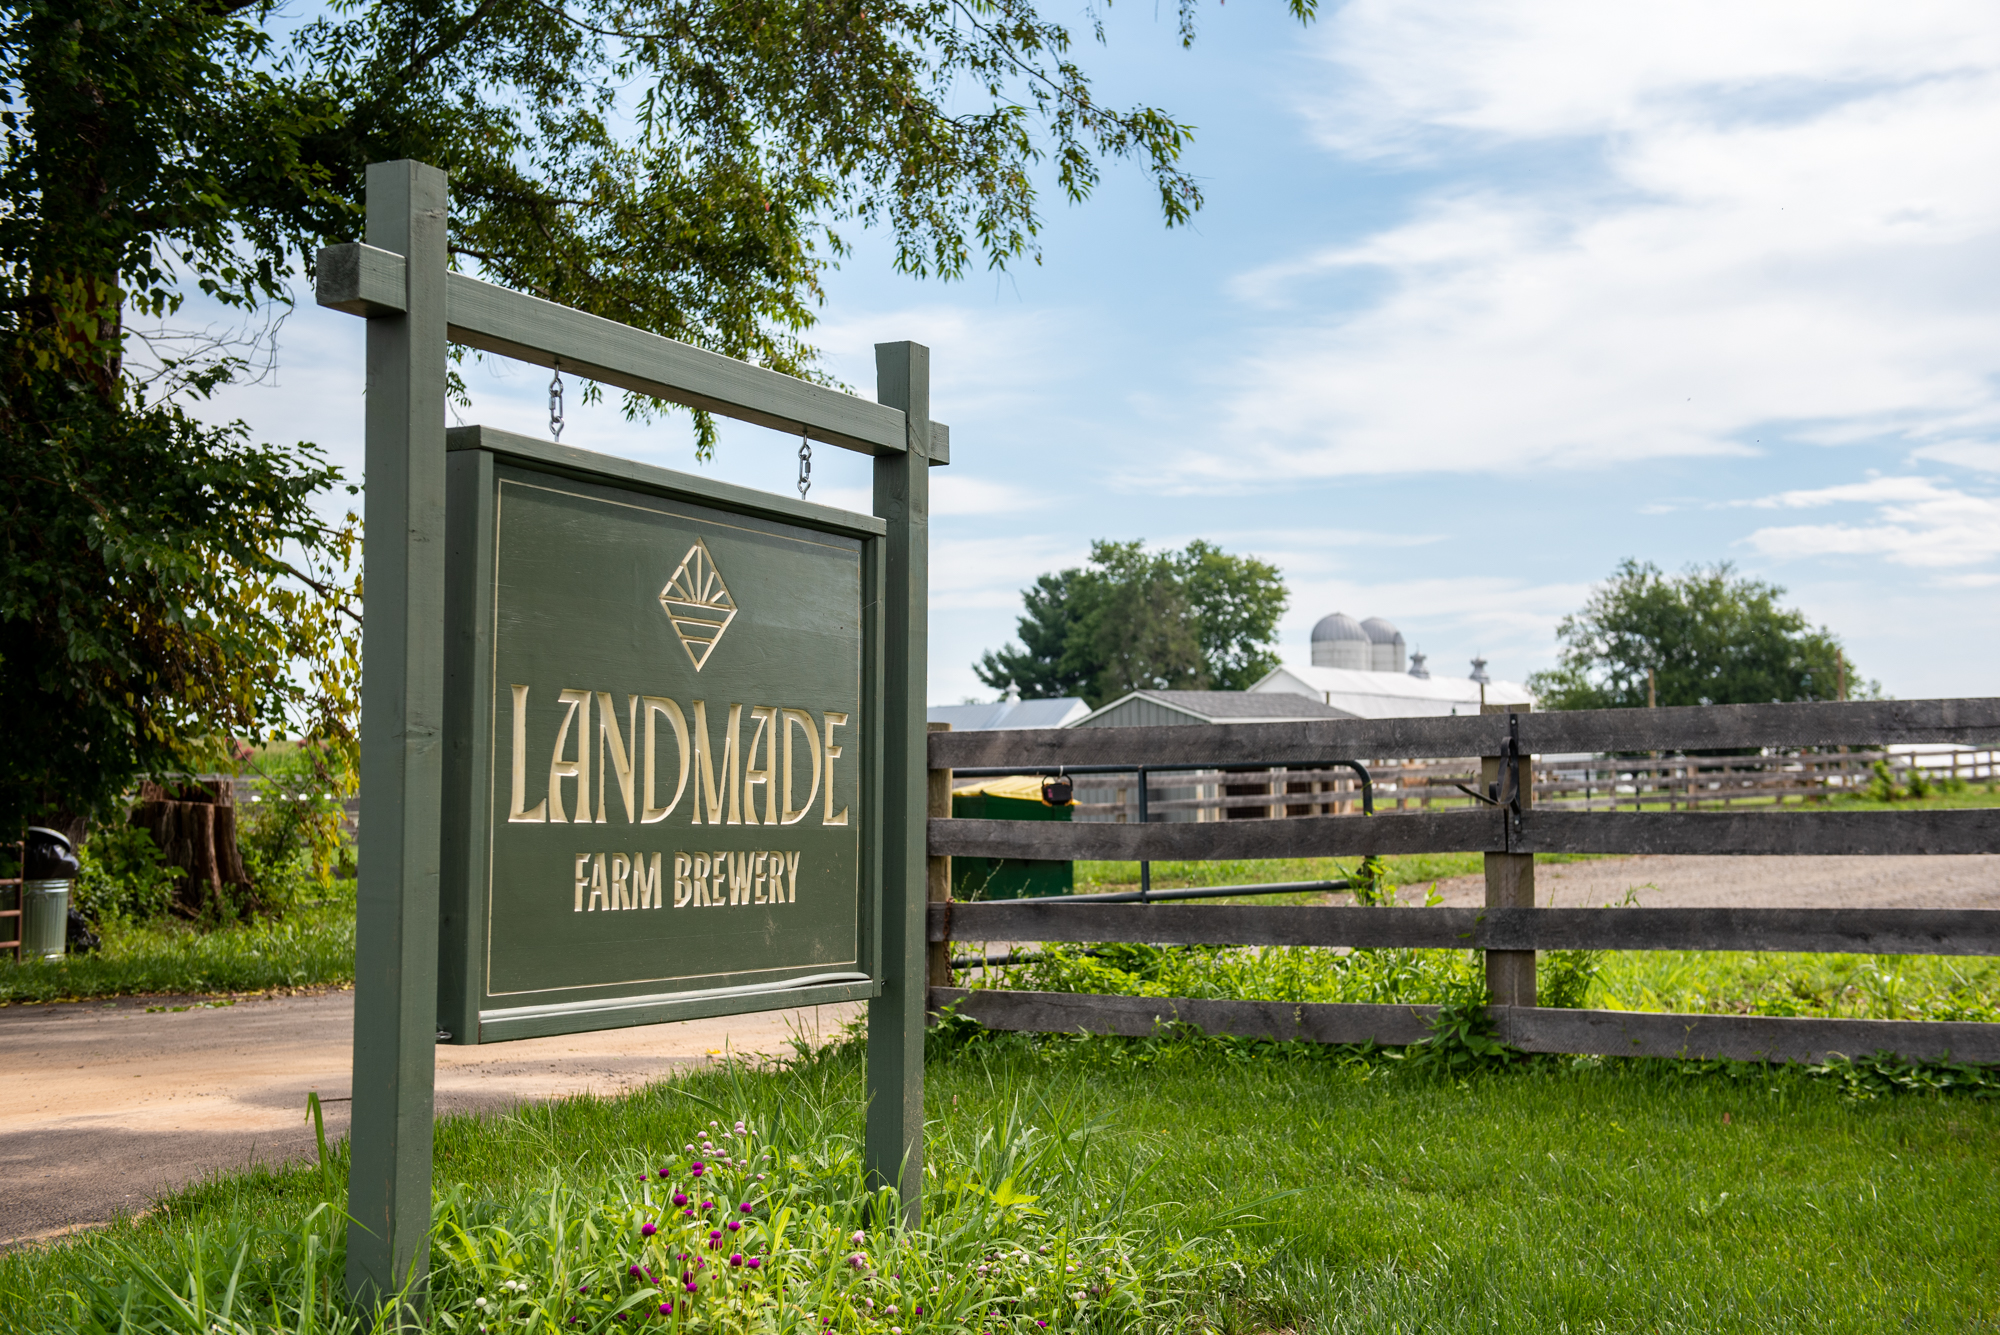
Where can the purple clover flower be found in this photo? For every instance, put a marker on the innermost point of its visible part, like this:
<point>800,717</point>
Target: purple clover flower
<point>736,1258</point>
<point>754,1262</point>
<point>680,1198</point>
<point>696,1168</point>
<point>734,1224</point>
<point>648,1230</point>
<point>745,1207</point>
<point>666,1309</point>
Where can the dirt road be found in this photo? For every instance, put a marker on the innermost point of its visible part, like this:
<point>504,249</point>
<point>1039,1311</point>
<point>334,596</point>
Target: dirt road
<point>107,1104</point>
<point>1968,882</point>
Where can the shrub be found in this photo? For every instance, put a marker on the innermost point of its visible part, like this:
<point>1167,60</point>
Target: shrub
<point>123,879</point>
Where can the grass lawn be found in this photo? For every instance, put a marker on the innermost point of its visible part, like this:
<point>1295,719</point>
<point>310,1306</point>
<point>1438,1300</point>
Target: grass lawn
<point>1255,1191</point>
<point>312,946</point>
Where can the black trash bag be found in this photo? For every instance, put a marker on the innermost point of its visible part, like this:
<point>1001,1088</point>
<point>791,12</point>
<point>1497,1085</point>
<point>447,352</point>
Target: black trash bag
<point>48,856</point>
<point>82,941</point>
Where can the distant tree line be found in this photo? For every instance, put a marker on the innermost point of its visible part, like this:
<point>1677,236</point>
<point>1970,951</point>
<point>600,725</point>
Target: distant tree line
<point>1195,619</point>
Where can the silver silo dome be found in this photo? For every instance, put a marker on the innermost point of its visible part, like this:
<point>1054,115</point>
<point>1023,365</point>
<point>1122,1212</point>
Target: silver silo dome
<point>1385,646</point>
<point>1339,642</point>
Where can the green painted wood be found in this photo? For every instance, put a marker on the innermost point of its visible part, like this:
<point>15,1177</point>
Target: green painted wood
<point>1835,931</point>
<point>621,632</point>
<point>571,461</point>
<point>361,280</point>
<point>1856,723</point>
<point>895,1150</point>
<point>507,1026</point>
<point>513,324</point>
<point>1599,1033</point>
<point>468,630</point>
<point>367,280</point>
<point>395,973</point>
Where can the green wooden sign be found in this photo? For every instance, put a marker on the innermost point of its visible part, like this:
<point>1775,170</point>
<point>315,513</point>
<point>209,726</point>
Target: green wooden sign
<point>635,746</point>
<point>662,700</point>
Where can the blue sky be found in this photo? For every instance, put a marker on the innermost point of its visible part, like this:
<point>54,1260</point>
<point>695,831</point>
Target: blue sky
<point>1484,299</point>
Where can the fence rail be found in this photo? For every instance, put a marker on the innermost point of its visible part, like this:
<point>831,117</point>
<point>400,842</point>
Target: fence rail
<point>1509,832</point>
<point>1594,783</point>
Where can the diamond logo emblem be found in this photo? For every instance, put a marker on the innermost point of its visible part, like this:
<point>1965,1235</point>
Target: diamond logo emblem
<point>698,603</point>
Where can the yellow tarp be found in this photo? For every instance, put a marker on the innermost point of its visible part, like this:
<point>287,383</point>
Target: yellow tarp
<point>1024,786</point>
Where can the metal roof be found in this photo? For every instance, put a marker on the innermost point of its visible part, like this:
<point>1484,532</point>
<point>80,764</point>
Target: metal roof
<point>1225,706</point>
<point>1003,714</point>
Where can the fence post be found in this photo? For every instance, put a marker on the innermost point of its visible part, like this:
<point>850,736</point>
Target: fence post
<point>1510,883</point>
<point>938,871</point>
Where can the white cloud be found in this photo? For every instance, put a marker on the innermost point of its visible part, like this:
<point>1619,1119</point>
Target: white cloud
<point>1917,522</point>
<point>1762,224</point>
<point>1981,456</point>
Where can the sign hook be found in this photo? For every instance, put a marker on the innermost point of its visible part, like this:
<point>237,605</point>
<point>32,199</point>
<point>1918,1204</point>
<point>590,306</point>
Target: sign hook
<point>556,403</point>
<point>805,463</point>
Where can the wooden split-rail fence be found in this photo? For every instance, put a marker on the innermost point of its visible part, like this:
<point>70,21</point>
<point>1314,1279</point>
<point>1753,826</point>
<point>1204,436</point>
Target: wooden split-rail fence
<point>1575,783</point>
<point>1509,829</point>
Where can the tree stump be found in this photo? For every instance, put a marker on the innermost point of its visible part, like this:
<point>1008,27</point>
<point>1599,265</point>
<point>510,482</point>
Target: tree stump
<point>194,824</point>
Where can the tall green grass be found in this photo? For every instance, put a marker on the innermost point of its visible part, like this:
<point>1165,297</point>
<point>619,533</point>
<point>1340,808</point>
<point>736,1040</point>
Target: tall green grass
<point>1228,1188</point>
<point>311,946</point>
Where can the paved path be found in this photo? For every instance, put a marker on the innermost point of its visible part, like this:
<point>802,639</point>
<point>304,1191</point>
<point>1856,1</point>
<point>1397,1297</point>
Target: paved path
<point>106,1104</point>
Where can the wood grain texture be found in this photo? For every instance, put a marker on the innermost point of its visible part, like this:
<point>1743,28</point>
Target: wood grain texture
<point>1750,833</point>
<point>513,324</point>
<point>1298,837</point>
<point>1596,1033</point>
<point>1836,931</point>
<point>360,280</point>
<point>588,466</point>
<point>1857,833</point>
<point>1137,1017</point>
<point>1857,723</point>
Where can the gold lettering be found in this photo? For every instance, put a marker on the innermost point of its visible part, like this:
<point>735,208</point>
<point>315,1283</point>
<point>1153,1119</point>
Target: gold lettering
<point>739,878</point>
<point>582,861</point>
<point>655,706</point>
<point>598,898</point>
<point>802,720</point>
<point>752,776</point>
<point>646,883</point>
<point>515,813</point>
<point>757,861</point>
<point>833,720</point>
<point>621,868</point>
<point>723,871</point>
<point>578,769</point>
<point>730,792</point>
<point>683,880</point>
<point>792,875</point>
<point>608,739</point>
<point>701,880</point>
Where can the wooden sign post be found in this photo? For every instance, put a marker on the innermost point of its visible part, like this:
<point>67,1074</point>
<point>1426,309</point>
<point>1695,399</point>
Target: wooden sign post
<point>723,688</point>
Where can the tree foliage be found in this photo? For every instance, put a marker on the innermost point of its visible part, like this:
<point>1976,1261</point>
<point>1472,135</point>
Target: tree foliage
<point>680,165</point>
<point>1707,636</point>
<point>1197,619</point>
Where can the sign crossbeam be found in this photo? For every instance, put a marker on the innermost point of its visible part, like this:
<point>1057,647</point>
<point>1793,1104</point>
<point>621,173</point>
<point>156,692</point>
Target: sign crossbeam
<point>369,281</point>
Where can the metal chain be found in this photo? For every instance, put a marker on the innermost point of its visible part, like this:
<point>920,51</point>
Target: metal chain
<point>805,464</point>
<point>556,403</point>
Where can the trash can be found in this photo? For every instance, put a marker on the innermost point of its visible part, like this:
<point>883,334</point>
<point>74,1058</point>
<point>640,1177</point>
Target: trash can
<point>48,868</point>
